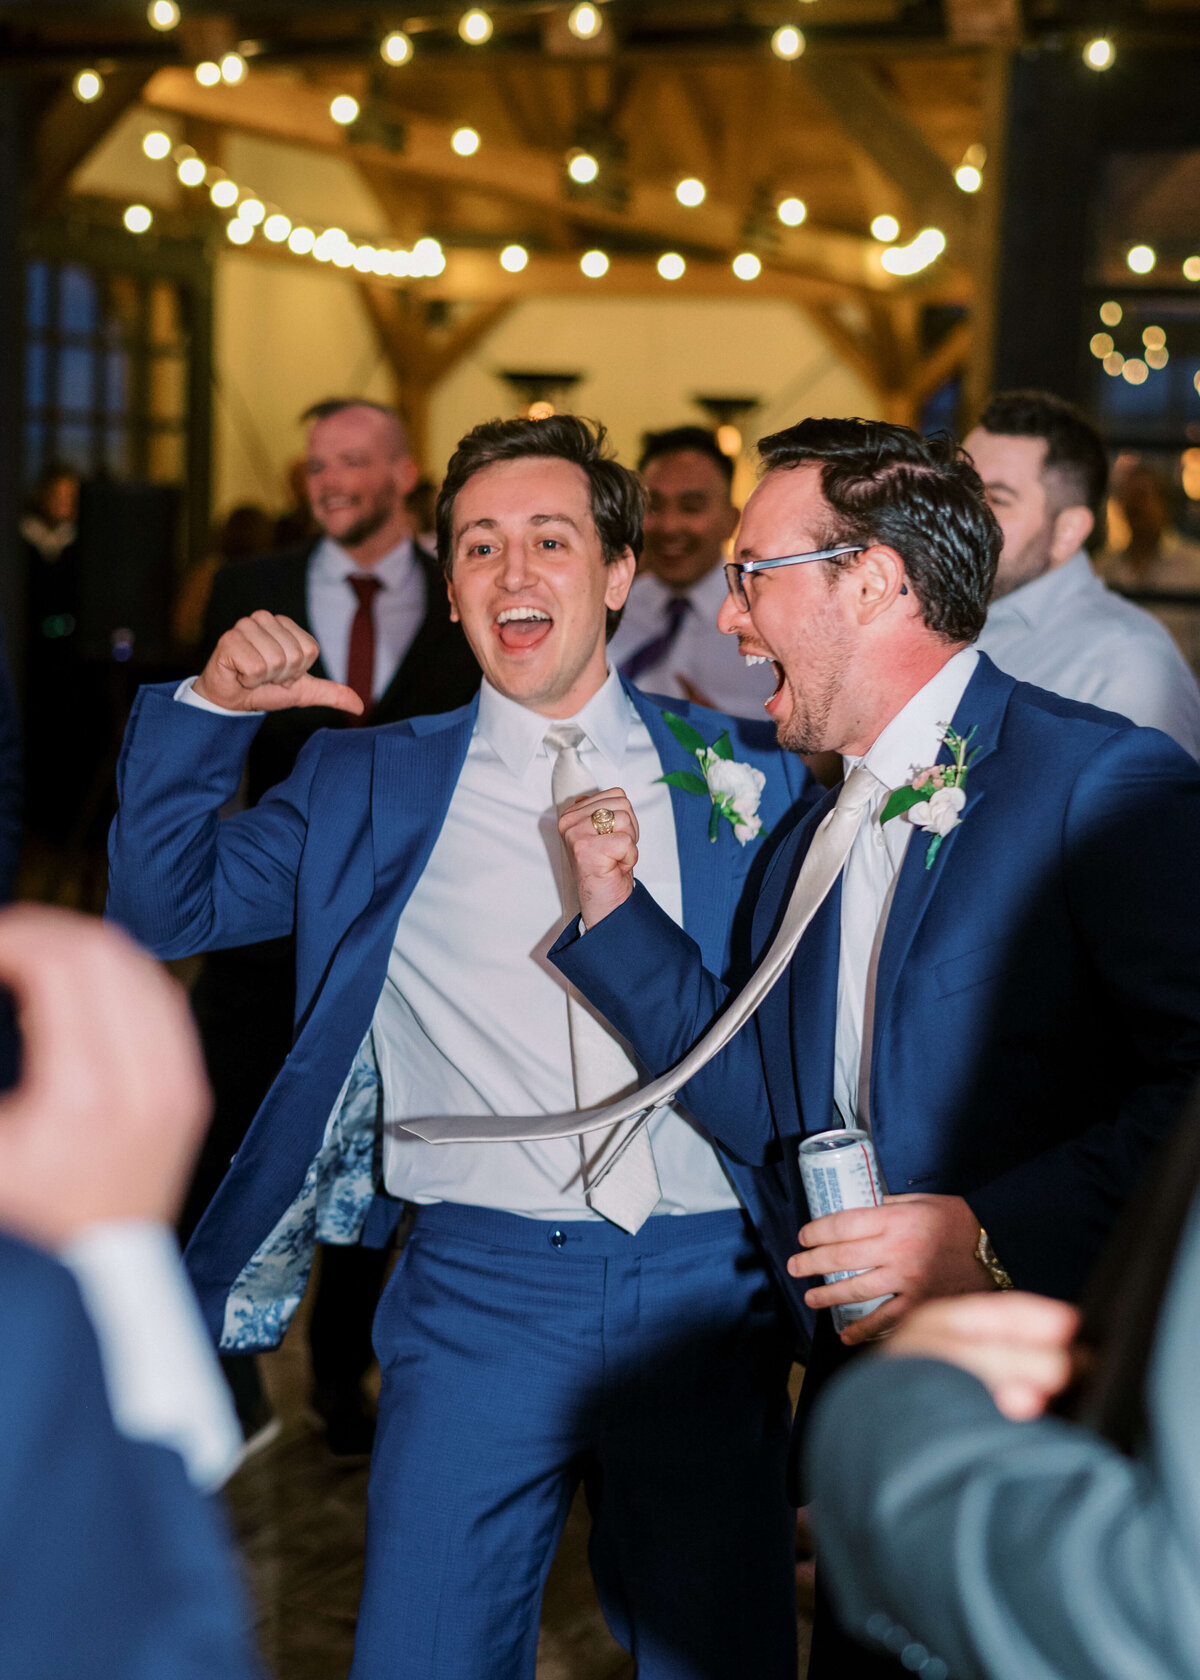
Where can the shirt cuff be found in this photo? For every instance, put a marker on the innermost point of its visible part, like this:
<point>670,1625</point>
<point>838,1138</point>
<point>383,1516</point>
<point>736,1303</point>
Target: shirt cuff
<point>164,1384</point>
<point>187,693</point>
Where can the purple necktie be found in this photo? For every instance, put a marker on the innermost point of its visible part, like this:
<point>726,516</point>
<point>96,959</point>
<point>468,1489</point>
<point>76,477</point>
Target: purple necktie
<point>658,647</point>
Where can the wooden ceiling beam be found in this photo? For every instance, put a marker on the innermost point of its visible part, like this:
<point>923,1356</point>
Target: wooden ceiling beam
<point>987,23</point>
<point>69,130</point>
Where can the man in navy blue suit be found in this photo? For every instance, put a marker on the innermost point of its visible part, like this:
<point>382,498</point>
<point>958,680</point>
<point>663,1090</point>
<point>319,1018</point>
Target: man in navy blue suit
<point>1003,984</point>
<point>114,1420</point>
<point>548,1324</point>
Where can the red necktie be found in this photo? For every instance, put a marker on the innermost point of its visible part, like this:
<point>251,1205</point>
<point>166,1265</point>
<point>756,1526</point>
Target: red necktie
<point>360,666</point>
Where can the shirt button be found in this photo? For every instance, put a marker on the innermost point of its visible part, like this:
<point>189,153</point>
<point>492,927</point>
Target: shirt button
<point>557,1238</point>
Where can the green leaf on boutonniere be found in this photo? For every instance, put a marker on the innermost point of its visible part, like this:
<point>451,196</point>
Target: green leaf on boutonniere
<point>723,747</point>
<point>685,734</point>
<point>714,822</point>
<point>685,779</point>
<point>903,799</point>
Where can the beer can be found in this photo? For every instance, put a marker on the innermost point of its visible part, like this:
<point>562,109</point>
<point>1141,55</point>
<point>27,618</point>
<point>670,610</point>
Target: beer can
<point>839,1170</point>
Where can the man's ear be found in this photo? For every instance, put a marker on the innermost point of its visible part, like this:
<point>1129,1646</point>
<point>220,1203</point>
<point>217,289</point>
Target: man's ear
<point>877,578</point>
<point>1072,529</point>
<point>407,473</point>
<point>620,575</point>
<point>731,525</point>
<point>454,617</point>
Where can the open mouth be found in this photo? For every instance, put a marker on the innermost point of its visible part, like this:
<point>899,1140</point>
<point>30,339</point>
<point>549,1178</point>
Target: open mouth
<point>753,658</point>
<point>521,628</point>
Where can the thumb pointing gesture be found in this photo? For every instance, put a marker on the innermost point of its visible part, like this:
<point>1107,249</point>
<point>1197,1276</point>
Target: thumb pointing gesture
<point>263,664</point>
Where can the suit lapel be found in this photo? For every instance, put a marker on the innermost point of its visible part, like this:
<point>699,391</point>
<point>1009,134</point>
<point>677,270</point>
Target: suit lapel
<point>414,775</point>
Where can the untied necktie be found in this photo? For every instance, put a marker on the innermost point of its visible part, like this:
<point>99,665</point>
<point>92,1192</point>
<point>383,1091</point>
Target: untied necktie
<point>659,646</point>
<point>822,865</point>
<point>360,660</point>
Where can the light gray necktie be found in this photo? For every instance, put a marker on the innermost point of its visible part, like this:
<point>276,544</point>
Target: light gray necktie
<point>629,1194</point>
<point>822,865</point>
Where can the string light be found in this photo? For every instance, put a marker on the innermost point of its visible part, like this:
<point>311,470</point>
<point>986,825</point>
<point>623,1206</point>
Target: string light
<point>427,259</point>
<point>87,86</point>
<point>791,211</point>
<point>252,211</point>
<point>513,258</point>
<point>1100,344</point>
<point>224,194</point>
<point>301,240</point>
<point>277,227</point>
<point>1191,268</point>
<point>1196,381</point>
<point>233,68</point>
<point>156,144</point>
<point>729,440</point>
<point>137,218</point>
<point>475,27</point>
<point>1141,258</point>
<point>1157,357</point>
<point>239,231</point>
<point>582,167</point>
<point>671,265</point>
<point>396,48</point>
<point>585,22</point>
<point>746,266</point>
<point>885,229</point>
<point>191,172</point>
<point>1099,55</point>
<point>162,14</point>
<point>968,178</point>
<point>918,254</point>
<point>207,73</point>
<point>1154,338</point>
<point>343,108</point>
<point>690,192</point>
<point>465,141</point>
<point>1111,313</point>
<point>594,264</point>
<point>1135,371</point>
<point>1113,363</point>
<point>788,42</point>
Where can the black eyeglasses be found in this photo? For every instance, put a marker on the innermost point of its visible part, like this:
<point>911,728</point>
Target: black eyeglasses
<point>737,570</point>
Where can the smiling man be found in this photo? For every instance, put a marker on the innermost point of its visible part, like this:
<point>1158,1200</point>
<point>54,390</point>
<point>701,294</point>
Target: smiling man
<point>1006,993</point>
<point>545,1326</point>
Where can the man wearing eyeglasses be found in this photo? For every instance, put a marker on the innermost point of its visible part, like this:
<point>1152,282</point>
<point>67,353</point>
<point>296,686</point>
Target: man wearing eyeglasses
<point>1002,982</point>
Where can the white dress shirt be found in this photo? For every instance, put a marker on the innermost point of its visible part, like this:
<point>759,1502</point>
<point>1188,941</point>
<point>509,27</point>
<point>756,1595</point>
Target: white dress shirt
<point>398,610</point>
<point>709,660</point>
<point>1066,631</point>
<point>473,1017</point>
<point>911,742</point>
<point>160,1372</point>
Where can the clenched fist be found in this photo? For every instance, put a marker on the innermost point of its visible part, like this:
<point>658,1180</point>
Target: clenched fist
<point>603,863</point>
<point>262,665</point>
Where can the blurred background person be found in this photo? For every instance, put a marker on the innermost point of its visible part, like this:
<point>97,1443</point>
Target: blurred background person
<point>296,523</point>
<point>1052,621</point>
<point>1148,556</point>
<point>244,532</point>
<point>57,761</point>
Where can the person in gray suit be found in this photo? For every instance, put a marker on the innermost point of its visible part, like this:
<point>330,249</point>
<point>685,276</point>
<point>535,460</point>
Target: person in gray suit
<point>974,1535</point>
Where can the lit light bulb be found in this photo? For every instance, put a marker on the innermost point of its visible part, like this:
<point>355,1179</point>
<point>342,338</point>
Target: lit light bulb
<point>729,440</point>
<point>191,171</point>
<point>207,73</point>
<point>1098,55</point>
<point>885,229</point>
<point>233,68</point>
<point>690,192</point>
<point>747,266</point>
<point>364,259</point>
<point>345,254</point>
<point>465,141</point>
<point>396,48</point>
<point>156,144</point>
<point>475,27</point>
<point>916,255</point>
<point>162,14</point>
<point>224,194</point>
<point>1191,268</point>
<point>1113,363</point>
<point>788,42</point>
<point>791,211</point>
<point>343,109</point>
<point>87,86</point>
<point>585,22</point>
<point>1158,357</point>
<point>401,264</point>
<point>594,264</point>
<point>1154,338</point>
<point>1100,344</point>
<point>137,218</point>
<point>301,240</point>
<point>252,211</point>
<point>427,257</point>
<point>671,265</point>
<point>1141,259</point>
<point>968,178</point>
<point>277,227</point>
<point>1135,371</point>
<point>1196,381</point>
<point>513,258</point>
<point>582,167</point>
<point>539,411</point>
<point>327,244</point>
<point>239,231</point>
<point>1111,314</point>
<point>382,264</point>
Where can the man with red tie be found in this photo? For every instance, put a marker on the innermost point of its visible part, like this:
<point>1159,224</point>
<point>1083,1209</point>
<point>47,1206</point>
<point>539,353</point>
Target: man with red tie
<point>376,604</point>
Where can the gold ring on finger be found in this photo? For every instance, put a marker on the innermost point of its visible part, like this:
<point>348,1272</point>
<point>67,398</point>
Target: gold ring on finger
<point>604,820</point>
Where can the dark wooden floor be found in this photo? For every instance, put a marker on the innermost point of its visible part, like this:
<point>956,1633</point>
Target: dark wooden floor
<point>299,1517</point>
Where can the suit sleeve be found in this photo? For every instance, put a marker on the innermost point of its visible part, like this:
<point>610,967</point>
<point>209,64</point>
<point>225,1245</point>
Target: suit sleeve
<point>181,878</point>
<point>1131,844</point>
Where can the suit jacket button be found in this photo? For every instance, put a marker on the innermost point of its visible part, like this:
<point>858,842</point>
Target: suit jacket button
<point>557,1238</point>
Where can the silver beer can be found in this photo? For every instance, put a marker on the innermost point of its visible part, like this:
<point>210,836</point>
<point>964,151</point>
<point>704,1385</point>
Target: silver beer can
<point>839,1170</point>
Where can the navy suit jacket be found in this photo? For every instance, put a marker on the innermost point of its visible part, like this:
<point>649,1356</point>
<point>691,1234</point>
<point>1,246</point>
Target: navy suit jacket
<point>333,854</point>
<point>112,1566</point>
<point>1037,1005</point>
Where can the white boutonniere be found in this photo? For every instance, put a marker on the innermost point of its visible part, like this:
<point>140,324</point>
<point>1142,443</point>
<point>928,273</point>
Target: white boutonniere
<point>733,788</point>
<point>933,798</point>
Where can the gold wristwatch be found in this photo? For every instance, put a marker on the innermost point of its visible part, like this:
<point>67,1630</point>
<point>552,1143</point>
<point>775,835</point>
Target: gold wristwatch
<point>986,1256</point>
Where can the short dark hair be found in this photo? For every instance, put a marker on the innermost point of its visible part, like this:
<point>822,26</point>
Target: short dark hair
<point>920,496</point>
<point>329,406</point>
<point>1074,448</point>
<point>694,440</point>
<point>617,498</point>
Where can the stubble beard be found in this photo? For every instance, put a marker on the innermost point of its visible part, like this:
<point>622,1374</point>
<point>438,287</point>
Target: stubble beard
<point>1031,562</point>
<point>375,518</point>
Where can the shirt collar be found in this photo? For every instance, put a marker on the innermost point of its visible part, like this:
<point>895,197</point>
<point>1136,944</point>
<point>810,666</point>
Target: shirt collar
<point>913,739</point>
<point>515,733</point>
<point>704,596</point>
<point>1033,600</point>
<point>332,561</point>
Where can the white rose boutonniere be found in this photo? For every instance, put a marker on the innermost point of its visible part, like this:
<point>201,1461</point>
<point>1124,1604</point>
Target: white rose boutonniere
<point>933,798</point>
<point>733,788</point>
